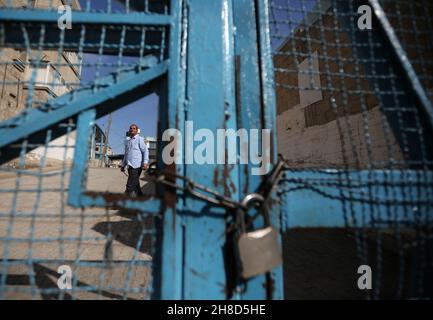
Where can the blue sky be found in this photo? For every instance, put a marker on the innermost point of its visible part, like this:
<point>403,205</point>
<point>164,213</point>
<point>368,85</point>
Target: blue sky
<point>285,16</point>
<point>144,112</point>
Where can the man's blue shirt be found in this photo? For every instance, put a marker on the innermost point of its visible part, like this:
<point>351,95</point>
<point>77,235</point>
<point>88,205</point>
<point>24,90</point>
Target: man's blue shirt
<point>136,152</point>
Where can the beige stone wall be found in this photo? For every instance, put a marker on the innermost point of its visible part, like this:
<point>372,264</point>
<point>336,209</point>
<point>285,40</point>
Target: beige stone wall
<point>14,3</point>
<point>61,148</point>
<point>59,77</point>
<point>328,146</point>
<point>43,4</point>
<point>11,84</point>
<point>309,113</point>
<point>64,66</point>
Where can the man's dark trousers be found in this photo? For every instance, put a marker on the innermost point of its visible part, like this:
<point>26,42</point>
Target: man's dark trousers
<point>133,184</point>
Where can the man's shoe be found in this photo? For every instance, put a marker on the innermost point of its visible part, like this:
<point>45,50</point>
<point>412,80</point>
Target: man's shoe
<point>131,194</point>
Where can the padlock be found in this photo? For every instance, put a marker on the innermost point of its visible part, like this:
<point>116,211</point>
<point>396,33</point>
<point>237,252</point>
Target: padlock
<point>259,250</point>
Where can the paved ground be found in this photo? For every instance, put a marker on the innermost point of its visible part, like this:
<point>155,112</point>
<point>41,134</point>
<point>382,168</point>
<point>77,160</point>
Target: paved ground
<point>319,264</point>
<point>57,229</point>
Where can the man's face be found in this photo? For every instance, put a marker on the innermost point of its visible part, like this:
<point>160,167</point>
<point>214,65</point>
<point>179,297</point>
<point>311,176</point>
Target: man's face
<point>133,130</point>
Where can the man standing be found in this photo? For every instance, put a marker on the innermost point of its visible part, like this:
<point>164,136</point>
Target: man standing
<point>136,158</point>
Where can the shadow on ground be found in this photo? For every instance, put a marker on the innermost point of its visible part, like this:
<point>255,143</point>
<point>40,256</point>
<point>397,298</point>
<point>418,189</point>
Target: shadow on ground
<point>91,280</point>
<point>323,264</point>
<point>135,233</point>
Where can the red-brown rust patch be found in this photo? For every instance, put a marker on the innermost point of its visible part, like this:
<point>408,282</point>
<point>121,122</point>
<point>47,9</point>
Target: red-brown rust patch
<point>169,193</point>
<point>215,177</point>
<point>247,177</point>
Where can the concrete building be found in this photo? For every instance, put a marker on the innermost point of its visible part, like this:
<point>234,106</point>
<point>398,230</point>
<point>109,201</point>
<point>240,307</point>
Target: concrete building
<point>115,160</point>
<point>51,75</point>
<point>97,144</point>
<point>152,145</point>
<point>309,134</point>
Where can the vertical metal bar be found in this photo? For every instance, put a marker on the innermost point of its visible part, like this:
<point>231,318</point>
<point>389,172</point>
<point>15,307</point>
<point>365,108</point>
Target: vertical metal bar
<point>267,74</point>
<point>92,152</point>
<point>4,80</point>
<point>168,265</point>
<point>252,111</point>
<point>211,101</point>
<point>85,123</point>
<point>258,98</point>
<point>248,82</point>
<point>101,147</point>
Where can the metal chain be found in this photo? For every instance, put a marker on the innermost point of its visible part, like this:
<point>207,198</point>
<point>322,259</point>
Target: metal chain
<point>206,194</point>
<point>168,179</point>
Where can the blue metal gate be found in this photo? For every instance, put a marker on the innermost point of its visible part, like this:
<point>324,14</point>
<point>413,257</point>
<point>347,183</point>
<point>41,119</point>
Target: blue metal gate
<point>300,68</point>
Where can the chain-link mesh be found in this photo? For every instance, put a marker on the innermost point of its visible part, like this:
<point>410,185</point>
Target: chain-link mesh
<point>109,251</point>
<point>343,102</point>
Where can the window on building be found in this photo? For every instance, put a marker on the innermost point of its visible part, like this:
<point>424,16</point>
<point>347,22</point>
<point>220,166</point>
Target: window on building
<point>38,71</point>
<point>310,89</point>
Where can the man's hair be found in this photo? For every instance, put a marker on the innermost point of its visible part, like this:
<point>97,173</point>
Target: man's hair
<point>133,125</point>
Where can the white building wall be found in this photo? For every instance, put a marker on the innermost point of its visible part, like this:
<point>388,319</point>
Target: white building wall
<point>58,150</point>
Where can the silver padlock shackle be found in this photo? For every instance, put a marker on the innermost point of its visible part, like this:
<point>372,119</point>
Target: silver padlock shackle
<point>251,198</point>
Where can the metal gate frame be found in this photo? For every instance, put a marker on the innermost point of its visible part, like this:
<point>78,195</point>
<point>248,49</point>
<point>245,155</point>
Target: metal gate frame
<point>238,76</point>
<point>191,263</point>
<point>234,36</point>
